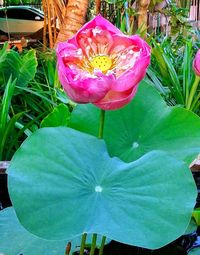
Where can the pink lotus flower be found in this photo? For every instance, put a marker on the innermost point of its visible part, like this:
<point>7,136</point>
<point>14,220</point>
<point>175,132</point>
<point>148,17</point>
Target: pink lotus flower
<point>101,65</point>
<point>196,63</point>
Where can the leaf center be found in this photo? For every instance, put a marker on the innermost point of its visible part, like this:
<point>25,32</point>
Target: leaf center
<point>98,188</point>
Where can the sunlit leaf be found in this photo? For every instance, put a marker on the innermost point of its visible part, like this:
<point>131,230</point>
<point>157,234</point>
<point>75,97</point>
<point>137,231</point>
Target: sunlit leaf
<point>15,239</point>
<point>58,117</point>
<point>63,183</point>
<point>145,124</point>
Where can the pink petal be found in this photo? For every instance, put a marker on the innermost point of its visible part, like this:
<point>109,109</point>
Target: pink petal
<point>86,91</point>
<point>94,41</point>
<point>100,22</point>
<point>81,88</point>
<point>132,77</point>
<point>196,63</point>
<point>80,85</point>
<point>120,43</point>
<point>137,63</point>
<point>68,53</point>
<point>115,100</point>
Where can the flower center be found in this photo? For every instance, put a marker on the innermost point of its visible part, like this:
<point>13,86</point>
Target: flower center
<point>103,63</point>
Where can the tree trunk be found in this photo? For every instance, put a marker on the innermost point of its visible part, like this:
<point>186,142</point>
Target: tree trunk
<point>98,6</point>
<point>45,25</point>
<point>143,11</point>
<point>74,19</point>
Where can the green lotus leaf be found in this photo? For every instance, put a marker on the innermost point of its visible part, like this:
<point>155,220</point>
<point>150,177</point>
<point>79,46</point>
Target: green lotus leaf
<point>195,251</point>
<point>145,124</point>
<point>15,239</point>
<point>192,227</point>
<point>63,183</point>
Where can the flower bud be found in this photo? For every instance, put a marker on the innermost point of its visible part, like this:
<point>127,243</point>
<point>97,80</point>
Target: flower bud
<point>196,63</point>
<point>101,65</point>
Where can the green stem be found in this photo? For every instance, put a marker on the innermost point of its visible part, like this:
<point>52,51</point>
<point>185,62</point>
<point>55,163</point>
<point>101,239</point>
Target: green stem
<point>101,125</point>
<point>192,92</point>
<point>102,245</point>
<point>100,136</point>
<point>195,102</point>
<point>196,107</point>
<point>93,246</point>
<point>83,240</point>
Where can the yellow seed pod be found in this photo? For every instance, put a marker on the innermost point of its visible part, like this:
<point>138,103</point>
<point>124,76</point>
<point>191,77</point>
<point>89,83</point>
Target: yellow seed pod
<point>103,63</point>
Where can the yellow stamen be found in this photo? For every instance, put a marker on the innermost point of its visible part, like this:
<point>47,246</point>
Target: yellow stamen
<point>103,63</point>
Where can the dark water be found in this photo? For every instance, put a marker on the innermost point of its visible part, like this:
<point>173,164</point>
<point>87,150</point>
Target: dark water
<point>4,196</point>
<point>180,246</point>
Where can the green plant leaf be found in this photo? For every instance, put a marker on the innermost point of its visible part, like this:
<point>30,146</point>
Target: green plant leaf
<point>157,52</point>
<point>68,184</point>
<point>5,104</point>
<point>61,96</point>
<point>58,117</point>
<point>196,215</point>
<point>17,240</point>
<point>8,134</point>
<point>174,79</point>
<point>156,82</point>
<point>195,251</point>
<point>186,69</point>
<point>3,54</point>
<point>145,124</point>
<point>164,58</point>
<point>23,68</point>
<point>192,227</point>
<point>23,242</point>
<point>4,111</point>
